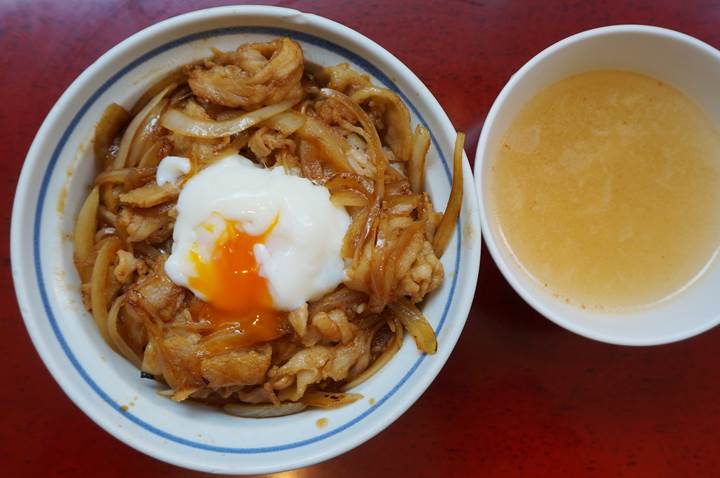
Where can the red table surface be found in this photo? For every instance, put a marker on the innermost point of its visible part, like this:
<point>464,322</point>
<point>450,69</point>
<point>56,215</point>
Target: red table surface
<point>518,396</point>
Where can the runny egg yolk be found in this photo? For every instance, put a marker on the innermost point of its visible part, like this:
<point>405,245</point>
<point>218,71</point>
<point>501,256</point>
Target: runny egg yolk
<point>235,292</point>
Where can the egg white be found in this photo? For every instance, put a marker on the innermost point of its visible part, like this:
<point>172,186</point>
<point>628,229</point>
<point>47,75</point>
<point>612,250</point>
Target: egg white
<point>300,258</point>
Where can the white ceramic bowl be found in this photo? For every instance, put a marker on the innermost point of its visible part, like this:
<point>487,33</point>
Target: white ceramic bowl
<point>681,60</point>
<point>59,169</point>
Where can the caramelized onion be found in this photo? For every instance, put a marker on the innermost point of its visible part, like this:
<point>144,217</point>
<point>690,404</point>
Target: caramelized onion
<point>99,282</point>
<point>329,146</point>
<point>416,165</point>
<point>348,199</point>
<point>85,227</point>
<point>175,77</point>
<point>131,131</point>
<point>382,274</point>
<point>447,223</point>
<point>109,195</point>
<point>286,122</point>
<point>350,181</point>
<point>120,176</point>
<point>342,298</point>
<point>116,339</point>
<point>144,137</point>
<point>150,157</point>
<point>264,411</point>
<point>374,146</point>
<point>397,134</point>
<point>390,350</point>
<point>320,399</point>
<point>181,123</point>
<point>416,324</point>
<point>352,242</point>
<point>379,160</point>
<point>113,120</point>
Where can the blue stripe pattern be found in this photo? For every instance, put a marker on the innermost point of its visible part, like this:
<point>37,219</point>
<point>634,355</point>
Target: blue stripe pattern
<point>302,37</point>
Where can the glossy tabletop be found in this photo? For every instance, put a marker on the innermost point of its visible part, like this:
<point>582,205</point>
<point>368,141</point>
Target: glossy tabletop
<point>518,396</point>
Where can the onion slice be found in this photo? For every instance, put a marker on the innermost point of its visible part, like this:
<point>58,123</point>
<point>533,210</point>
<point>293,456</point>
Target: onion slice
<point>416,324</point>
<point>286,122</point>
<point>264,411</point>
<point>397,134</point>
<point>117,340</point>
<point>373,140</point>
<point>113,120</point>
<point>85,226</point>
<point>178,122</point>
<point>379,160</point>
<point>348,198</point>
<point>390,350</point>
<point>143,139</point>
<point>416,165</point>
<point>135,124</point>
<point>98,283</point>
<point>320,399</point>
<point>175,77</point>
<point>120,176</point>
<point>326,144</point>
<point>445,228</point>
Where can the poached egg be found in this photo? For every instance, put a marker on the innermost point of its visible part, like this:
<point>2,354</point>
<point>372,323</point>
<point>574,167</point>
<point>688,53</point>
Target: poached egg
<point>252,242</point>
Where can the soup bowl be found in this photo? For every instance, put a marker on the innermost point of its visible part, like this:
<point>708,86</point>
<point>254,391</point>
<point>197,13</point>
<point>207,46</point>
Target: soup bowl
<point>682,61</point>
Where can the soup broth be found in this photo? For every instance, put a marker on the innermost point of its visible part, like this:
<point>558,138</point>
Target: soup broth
<point>606,188</point>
